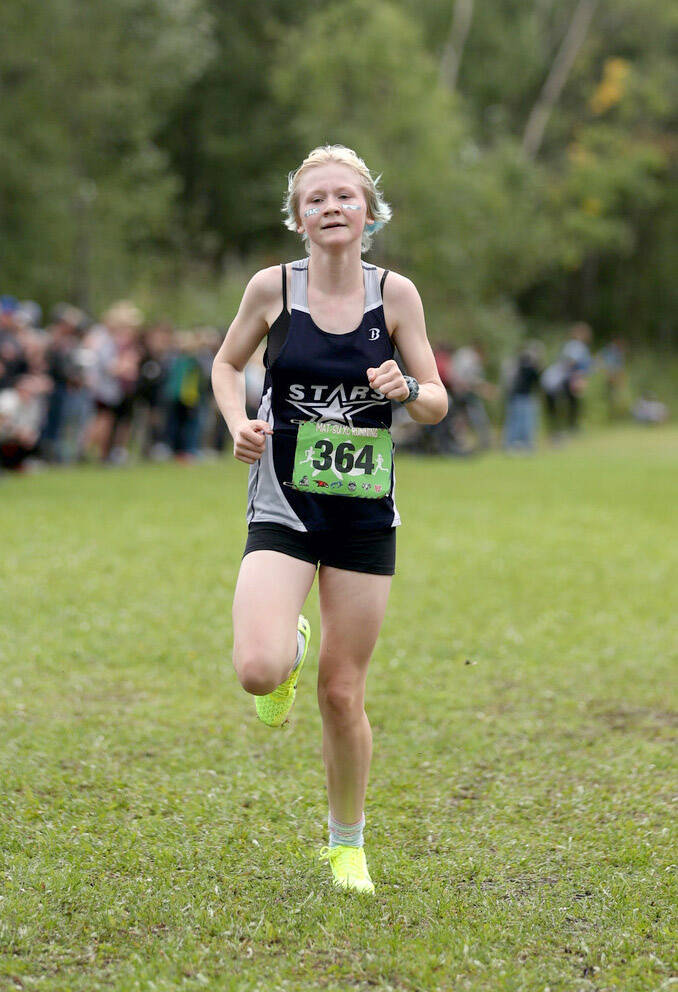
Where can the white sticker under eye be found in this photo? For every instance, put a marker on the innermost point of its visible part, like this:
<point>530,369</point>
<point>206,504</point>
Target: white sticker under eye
<point>311,211</point>
<point>350,206</point>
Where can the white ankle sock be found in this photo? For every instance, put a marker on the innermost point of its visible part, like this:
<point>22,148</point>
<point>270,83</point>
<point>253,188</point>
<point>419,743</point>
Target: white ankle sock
<point>349,834</point>
<point>300,649</point>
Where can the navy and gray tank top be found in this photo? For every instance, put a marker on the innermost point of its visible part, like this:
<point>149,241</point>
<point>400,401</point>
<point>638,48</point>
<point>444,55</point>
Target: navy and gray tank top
<point>316,375</point>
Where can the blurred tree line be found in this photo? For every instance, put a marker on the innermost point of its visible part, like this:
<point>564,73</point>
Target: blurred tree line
<point>528,148</point>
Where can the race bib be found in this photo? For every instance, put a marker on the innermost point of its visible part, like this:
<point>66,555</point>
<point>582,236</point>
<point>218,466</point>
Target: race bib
<point>343,461</point>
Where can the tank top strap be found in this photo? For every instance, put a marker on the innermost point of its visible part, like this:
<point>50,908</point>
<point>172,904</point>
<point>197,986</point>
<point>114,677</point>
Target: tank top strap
<point>372,287</point>
<point>299,286</point>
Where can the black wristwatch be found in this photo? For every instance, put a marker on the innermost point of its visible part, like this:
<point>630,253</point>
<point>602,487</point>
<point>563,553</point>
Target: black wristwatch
<point>413,387</point>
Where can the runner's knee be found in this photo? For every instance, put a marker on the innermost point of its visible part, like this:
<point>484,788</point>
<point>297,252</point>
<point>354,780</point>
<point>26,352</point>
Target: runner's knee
<point>340,700</point>
<point>258,673</point>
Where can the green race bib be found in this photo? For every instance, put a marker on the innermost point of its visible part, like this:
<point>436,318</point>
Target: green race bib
<point>343,461</point>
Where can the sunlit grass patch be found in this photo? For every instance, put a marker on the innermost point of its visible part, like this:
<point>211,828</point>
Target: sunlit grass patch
<point>154,835</point>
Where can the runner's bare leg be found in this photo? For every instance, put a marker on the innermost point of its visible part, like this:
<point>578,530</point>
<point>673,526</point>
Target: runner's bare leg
<point>269,596</point>
<point>352,607</point>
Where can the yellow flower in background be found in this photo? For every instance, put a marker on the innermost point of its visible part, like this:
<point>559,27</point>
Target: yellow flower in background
<point>612,86</point>
<point>578,154</point>
<point>592,206</point>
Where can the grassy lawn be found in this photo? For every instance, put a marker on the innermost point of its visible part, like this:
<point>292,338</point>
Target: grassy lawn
<point>154,835</point>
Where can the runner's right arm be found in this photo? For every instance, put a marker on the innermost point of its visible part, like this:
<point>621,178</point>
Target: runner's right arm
<point>250,326</point>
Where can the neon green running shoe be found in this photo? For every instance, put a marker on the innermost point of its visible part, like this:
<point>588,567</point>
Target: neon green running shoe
<point>349,867</point>
<point>273,708</point>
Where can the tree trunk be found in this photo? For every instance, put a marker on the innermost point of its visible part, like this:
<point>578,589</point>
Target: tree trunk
<point>557,77</point>
<point>454,47</point>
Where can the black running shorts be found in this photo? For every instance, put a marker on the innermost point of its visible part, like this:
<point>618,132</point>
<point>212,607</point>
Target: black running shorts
<point>371,551</point>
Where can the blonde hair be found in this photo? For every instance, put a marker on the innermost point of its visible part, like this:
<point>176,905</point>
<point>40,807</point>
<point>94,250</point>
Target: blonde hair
<point>377,208</point>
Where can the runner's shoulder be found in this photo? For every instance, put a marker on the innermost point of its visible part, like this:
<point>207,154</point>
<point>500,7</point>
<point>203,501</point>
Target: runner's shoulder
<point>265,285</point>
<point>398,289</point>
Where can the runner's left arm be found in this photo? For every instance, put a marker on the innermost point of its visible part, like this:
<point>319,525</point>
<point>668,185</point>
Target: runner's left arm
<point>405,316</point>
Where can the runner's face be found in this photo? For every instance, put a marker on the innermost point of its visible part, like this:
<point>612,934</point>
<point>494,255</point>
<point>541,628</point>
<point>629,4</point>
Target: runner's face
<point>332,205</point>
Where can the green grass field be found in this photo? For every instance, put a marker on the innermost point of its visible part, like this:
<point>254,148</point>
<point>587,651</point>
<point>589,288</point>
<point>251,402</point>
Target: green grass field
<point>156,836</point>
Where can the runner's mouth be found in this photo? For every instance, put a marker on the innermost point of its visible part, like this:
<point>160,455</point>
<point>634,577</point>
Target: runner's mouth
<point>328,226</point>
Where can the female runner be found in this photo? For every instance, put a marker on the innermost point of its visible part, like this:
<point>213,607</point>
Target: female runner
<point>321,483</point>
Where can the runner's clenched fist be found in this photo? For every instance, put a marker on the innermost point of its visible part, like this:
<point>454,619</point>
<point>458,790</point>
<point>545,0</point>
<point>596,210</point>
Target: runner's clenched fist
<point>250,439</point>
<point>389,381</point>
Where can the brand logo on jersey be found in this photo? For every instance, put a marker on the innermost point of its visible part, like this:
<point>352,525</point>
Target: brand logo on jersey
<point>337,404</point>
<point>374,333</point>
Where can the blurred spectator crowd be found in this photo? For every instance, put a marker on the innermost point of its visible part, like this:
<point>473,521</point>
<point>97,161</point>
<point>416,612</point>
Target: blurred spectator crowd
<point>528,385</point>
<point>80,390</point>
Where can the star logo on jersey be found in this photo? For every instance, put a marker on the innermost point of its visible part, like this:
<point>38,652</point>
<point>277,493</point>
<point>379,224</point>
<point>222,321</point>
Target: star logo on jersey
<point>336,406</point>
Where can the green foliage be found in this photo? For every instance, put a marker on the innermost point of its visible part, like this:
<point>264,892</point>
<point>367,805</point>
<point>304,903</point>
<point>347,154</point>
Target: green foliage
<point>199,298</point>
<point>609,165</point>
<point>84,90</point>
<point>467,222</point>
<point>143,138</point>
<point>228,135</point>
<point>155,836</point>
<point>348,87</point>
